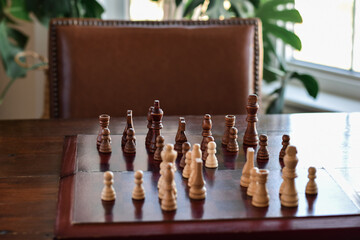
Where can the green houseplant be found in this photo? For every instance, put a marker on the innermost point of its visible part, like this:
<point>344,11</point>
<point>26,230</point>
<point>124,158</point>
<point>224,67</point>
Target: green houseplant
<point>13,41</point>
<point>275,15</point>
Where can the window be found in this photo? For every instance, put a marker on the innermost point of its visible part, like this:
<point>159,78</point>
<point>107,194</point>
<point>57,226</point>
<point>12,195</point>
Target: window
<point>146,10</point>
<point>329,33</point>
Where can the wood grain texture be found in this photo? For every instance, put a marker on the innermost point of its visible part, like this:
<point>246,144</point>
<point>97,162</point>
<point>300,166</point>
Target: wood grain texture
<point>31,152</point>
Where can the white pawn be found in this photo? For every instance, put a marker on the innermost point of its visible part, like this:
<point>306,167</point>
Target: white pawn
<point>168,202</point>
<point>198,190</point>
<point>138,192</point>
<point>311,186</point>
<point>245,177</point>
<point>211,160</point>
<point>289,195</point>
<point>108,192</point>
<point>169,156</point>
<point>195,153</point>
<point>252,186</point>
<point>261,195</point>
<point>169,148</point>
<point>186,171</point>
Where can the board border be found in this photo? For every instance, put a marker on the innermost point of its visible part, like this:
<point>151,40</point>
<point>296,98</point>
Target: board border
<point>281,228</point>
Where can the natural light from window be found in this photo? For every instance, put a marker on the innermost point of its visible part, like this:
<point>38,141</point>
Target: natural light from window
<point>146,10</point>
<point>327,33</point>
<point>357,38</point>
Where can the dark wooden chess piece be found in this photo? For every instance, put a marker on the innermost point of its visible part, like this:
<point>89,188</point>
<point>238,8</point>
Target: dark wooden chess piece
<point>251,136</point>
<point>156,117</point>
<point>105,145</point>
<point>285,143</point>
<point>104,121</point>
<point>263,153</point>
<point>206,126</point>
<point>180,136</point>
<point>130,146</point>
<point>185,148</point>
<point>229,123</point>
<point>129,124</point>
<point>207,140</point>
<point>159,147</point>
<point>233,145</point>
<point>149,126</point>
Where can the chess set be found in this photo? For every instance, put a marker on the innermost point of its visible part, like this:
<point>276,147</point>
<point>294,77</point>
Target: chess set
<point>135,185</point>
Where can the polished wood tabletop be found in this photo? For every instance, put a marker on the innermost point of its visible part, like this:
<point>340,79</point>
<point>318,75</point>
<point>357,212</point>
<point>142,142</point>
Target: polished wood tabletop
<point>31,153</point>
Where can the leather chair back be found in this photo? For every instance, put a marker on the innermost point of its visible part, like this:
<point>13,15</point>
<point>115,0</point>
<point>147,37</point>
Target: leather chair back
<point>192,67</point>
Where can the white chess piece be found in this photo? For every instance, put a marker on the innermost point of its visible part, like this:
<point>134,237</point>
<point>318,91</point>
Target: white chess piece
<point>138,192</point>
<point>261,195</point>
<point>289,195</point>
<point>195,153</point>
<point>168,148</point>
<point>211,160</point>
<point>245,177</point>
<point>108,192</point>
<point>169,156</point>
<point>311,186</point>
<point>198,190</point>
<point>168,202</point>
<point>252,186</point>
<point>186,171</point>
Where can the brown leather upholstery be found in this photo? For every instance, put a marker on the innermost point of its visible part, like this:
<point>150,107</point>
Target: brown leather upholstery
<point>192,67</point>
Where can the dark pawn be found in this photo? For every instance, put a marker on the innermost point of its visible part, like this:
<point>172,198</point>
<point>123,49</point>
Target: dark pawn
<point>285,143</point>
<point>180,136</point>
<point>251,136</point>
<point>185,148</point>
<point>105,145</point>
<point>206,126</point>
<point>229,123</point>
<point>149,126</point>
<point>104,121</point>
<point>159,147</point>
<point>129,124</point>
<point>130,146</point>
<point>263,153</point>
<point>205,153</point>
<point>233,145</point>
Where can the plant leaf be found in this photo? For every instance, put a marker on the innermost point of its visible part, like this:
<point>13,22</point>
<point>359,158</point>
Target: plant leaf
<point>285,35</point>
<point>191,5</point>
<point>271,5</point>
<point>92,9</point>
<point>287,15</point>
<point>255,3</point>
<point>269,76</point>
<point>18,10</point>
<point>8,52</point>
<point>18,37</point>
<point>270,49</point>
<point>2,6</point>
<point>242,8</point>
<point>178,2</point>
<point>310,83</point>
<point>272,74</point>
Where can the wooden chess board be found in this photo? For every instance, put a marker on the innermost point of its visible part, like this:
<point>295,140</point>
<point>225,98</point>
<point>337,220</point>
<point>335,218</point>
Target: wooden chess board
<point>226,210</point>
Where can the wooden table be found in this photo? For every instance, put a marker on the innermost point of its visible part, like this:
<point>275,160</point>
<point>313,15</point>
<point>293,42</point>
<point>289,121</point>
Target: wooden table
<point>31,153</point>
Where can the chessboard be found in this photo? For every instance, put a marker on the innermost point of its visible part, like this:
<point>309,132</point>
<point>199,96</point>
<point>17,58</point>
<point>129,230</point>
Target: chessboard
<point>82,213</point>
<point>226,210</point>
